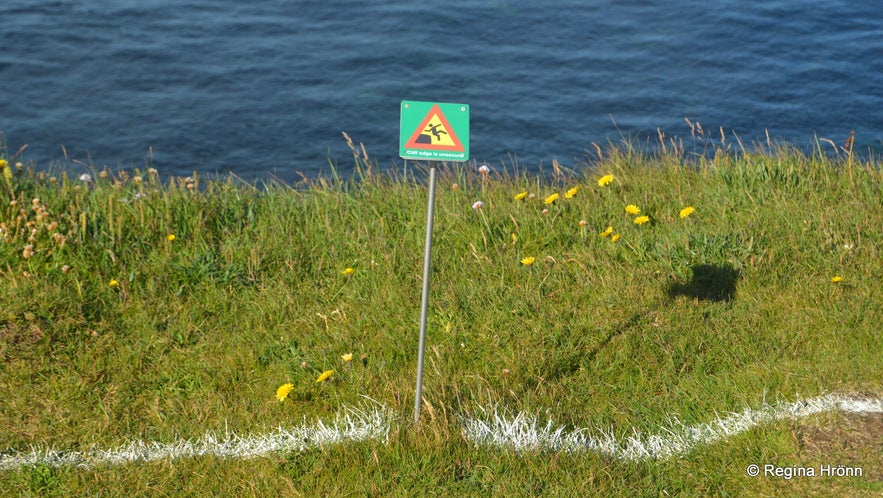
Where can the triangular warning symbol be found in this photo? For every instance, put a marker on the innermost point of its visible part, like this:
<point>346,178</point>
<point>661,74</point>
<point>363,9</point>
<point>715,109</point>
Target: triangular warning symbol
<point>435,133</point>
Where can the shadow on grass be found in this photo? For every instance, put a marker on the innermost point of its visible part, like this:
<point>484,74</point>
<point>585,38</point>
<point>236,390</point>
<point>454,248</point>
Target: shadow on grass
<point>715,283</point>
<point>615,332</point>
<point>567,361</point>
<point>710,283</point>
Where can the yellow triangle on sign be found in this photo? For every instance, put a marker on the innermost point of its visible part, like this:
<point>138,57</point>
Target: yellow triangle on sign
<point>437,132</point>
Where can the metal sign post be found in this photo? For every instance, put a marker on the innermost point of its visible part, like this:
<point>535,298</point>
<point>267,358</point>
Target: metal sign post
<point>427,259</point>
<point>432,131</point>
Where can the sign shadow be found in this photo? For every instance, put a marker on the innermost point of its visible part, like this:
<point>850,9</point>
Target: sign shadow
<point>709,283</point>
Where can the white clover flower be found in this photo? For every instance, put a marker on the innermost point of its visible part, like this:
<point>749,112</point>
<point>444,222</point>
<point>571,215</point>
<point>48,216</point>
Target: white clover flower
<point>478,205</point>
<point>86,177</point>
<point>484,169</point>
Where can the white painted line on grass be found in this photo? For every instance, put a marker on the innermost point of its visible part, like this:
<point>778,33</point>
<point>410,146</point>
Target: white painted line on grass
<point>520,432</point>
<point>350,425</point>
<point>523,432</point>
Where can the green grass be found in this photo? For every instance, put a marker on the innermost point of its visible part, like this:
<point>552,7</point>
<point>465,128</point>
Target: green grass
<point>683,318</point>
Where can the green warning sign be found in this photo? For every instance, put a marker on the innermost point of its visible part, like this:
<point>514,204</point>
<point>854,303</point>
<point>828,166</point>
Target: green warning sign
<point>434,131</point>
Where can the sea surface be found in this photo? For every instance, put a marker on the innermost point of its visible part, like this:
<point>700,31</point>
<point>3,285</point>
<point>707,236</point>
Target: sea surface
<point>264,89</point>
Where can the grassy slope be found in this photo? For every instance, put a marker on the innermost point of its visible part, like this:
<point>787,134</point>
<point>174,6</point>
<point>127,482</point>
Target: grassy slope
<point>201,330</point>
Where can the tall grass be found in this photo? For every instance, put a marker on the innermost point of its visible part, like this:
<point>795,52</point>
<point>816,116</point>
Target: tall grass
<point>149,308</point>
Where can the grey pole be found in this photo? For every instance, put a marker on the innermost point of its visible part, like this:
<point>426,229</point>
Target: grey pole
<point>427,259</point>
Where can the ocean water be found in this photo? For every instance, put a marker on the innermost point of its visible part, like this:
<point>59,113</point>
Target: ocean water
<point>266,88</point>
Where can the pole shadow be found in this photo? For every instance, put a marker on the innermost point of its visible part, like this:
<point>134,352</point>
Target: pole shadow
<point>710,283</point>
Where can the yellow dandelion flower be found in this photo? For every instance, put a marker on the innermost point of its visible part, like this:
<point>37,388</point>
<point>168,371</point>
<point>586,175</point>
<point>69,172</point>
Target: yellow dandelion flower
<point>552,198</point>
<point>640,220</point>
<point>324,376</point>
<point>521,195</point>
<point>348,271</point>
<point>283,391</point>
<point>3,163</point>
<point>687,211</point>
<point>570,193</point>
<point>605,180</point>
<point>347,357</point>
<point>607,231</point>
<point>632,209</point>
<point>615,237</point>
<point>528,260</point>
<point>170,237</point>
<point>114,283</point>
<point>836,278</point>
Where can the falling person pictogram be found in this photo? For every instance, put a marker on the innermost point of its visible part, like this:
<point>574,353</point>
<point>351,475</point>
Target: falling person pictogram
<point>427,134</point>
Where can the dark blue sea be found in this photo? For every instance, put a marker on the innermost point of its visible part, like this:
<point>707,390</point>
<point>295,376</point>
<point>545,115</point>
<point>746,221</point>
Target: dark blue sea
<point>265,88</point>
